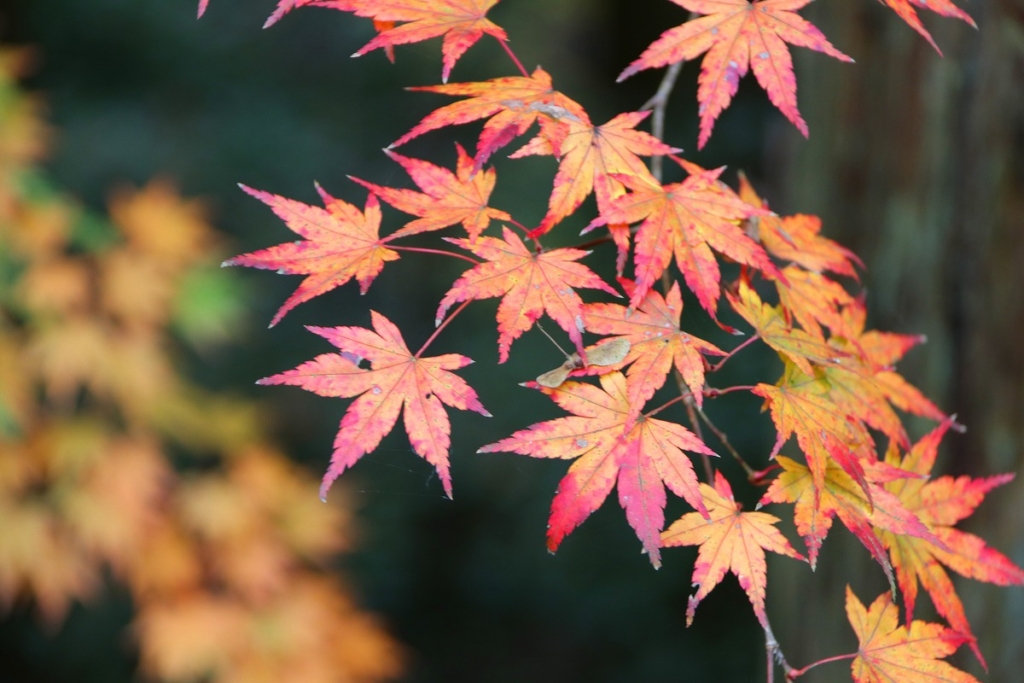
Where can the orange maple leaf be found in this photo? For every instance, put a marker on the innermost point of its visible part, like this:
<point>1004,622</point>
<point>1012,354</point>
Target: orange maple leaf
<point>461,22</point>
<point>842,496</point>
<point>730,541</point>
<point>771,326</point>
<point>510,104</point>
<point>396,378</point>
<point>597,159</point>
<point>908,654</point>
<point>447,198</point>
<point>802,404</point>
<point>641,459</point>
<point>797,238</point>
<point>813,300</point>
<point>687,219</point>
<point>341,243</point>
<point>738,35</point>
<point>906,12</point>
<point>656,344</point>
<point>940,504</point>
<point>529,283</point>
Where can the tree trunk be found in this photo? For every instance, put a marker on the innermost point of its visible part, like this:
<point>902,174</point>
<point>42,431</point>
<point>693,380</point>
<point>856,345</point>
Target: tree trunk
<point>917,164</point>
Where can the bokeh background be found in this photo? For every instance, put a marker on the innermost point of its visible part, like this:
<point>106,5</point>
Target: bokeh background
<point>915,162</point>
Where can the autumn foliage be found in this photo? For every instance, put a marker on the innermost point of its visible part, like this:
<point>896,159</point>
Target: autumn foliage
<point>226,557</point>
<point>630,399</point>
<point>837,406</point>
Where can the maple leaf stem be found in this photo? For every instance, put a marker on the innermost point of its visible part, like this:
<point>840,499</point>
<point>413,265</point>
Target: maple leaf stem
<point>659,103</point>
<point>718,366</point>
<point>664,405</point>
<point>792,673</point>
<point>515,60</point>
<point>750,471</point>
<point>425,250</point>
<point>440,327</point>
<point>528,233</point>
<point>551,339</point>
<point>712,392</point>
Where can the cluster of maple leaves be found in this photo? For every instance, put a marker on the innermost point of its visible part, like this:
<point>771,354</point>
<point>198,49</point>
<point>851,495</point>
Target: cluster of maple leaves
<point>838,393</point>
<point>227,566</point>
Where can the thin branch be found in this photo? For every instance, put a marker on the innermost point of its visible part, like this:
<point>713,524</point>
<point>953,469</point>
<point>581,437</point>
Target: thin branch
<point>720,435</point>
<point>425,250</point>
<point>659,103</point>
<point>512,55</point>
<point>440,327</point>
<point>528,233</point>
<point>774,652</point>
<point>712,392</point>
<point>794,673</point>
<point>718,366</point>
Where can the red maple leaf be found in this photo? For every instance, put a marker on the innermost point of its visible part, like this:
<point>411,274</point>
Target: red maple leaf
<point>341,244</point>
<point>461,22</point>
<point>510,104</point>
<point>941,503</point>
<point>905,9</point>
<point>861,510</point>
<point>909,654</point>
<point>641,460</point>
<point>447,198</point>
<point>687,219</point>
<point>529,283</point>
<point>730,541</point>
<point>738,35</point>
<point>596,159</point>
<point>396,379</point>
<point>656,344</point>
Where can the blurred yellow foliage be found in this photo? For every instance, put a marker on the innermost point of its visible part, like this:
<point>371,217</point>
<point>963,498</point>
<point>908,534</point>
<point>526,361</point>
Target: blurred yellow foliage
<point>227,565</point>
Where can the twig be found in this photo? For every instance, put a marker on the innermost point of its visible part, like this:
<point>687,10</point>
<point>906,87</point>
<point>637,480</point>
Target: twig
<point>659,103</point>
<point>512,55</point>
<point>774,653</point>
<point>425,250</point>
<point>720,435</point>
<point>718,366</point>
<point>440,327</point>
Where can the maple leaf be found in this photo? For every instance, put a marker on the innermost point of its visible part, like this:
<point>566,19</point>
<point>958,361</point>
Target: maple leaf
<point>842,496</point>
<point>802,404</point>
<point>738,35</point>
<point>529,283</point>
<point>461,22</point>
<point>396,379</point>
<point>511,105</point>
<point>906,12</point>
<point>799,347</point>
<point>341,243</point>
<point>656,344</point>
<point>940,504</point>
<point>813,299</point>
<point>687,219</point>
<point>797,238</point>
<point>865,385</point>
<point>890,652</point>
<point>447,198</point>
<point>597,159</point>
<point>641,460</point>
<point>730,541</point>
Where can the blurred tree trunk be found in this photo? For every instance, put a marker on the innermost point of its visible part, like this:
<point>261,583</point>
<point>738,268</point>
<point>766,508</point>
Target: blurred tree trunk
<point>917,164</point>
